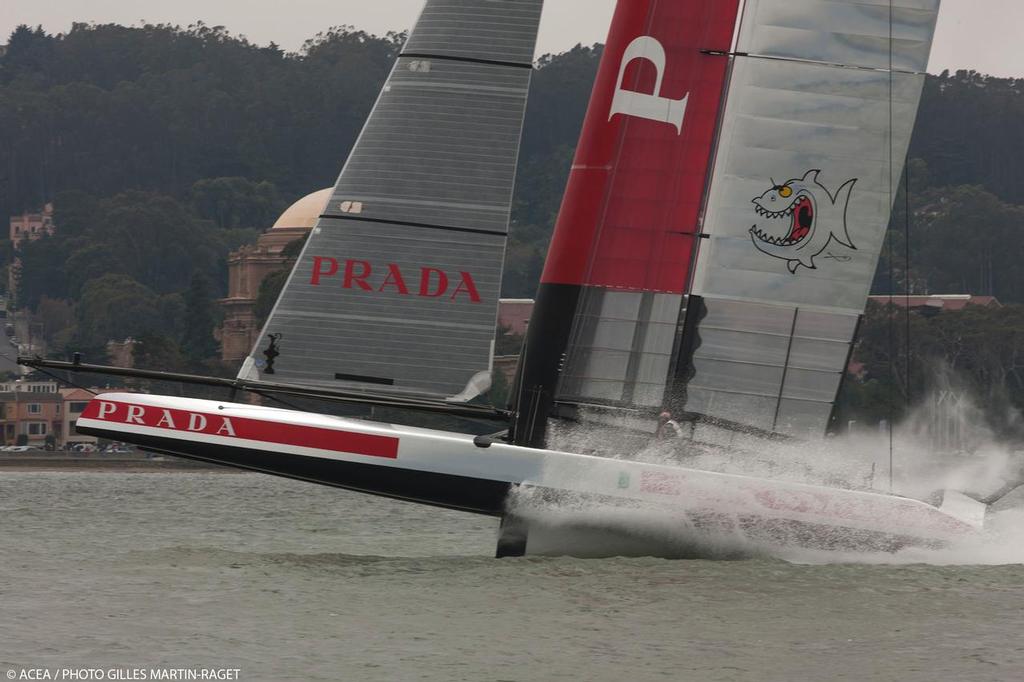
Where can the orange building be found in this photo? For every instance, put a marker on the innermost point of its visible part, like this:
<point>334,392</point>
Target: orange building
<point>74,402</point>
<point>36,415</point>
<point>248,266</point>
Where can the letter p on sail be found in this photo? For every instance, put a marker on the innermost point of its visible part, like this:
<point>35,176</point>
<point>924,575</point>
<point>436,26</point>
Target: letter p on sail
<point>639,104</point>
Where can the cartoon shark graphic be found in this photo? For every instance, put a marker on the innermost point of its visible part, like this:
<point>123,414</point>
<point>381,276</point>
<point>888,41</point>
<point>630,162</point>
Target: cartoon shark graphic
<point>811,216</point>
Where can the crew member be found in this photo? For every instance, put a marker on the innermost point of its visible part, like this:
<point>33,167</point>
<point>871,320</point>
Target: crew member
<point>668,428</point>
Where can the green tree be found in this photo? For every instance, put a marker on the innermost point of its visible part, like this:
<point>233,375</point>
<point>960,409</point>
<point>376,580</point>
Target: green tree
<point>161,352</point>
<point>76,212</point>
<point>42,272</point>
<point>198,343</point>
<point>236,202</point>
<point>272,285</point>
<point>116,307</point>
<point>909,356</point>
<point>270,290</point>
<point>55,316</point>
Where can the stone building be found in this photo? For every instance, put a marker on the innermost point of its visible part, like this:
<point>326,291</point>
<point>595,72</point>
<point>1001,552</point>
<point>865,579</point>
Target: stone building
<point>122,353</point>
<point>514,315</point>
<point>31,226</point>
<point>248,266</point>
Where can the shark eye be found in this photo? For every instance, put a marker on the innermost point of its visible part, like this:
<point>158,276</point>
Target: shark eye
<point>786,192</point>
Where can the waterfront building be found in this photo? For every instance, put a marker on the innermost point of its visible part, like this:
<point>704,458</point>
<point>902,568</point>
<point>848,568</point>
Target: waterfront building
<point>74,401</point>
<point>21,386</point>
<point>35,415</point>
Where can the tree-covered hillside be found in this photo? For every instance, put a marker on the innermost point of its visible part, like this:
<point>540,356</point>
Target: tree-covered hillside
<point>164,147</point>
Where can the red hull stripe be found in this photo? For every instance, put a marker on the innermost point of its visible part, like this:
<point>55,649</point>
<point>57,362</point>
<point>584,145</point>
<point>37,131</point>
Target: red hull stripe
<point>295,435</point>
<point>629,219</point>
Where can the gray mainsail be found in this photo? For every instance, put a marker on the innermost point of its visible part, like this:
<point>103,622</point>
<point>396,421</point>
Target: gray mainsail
<point>397,288</point>
<point>818,120</point>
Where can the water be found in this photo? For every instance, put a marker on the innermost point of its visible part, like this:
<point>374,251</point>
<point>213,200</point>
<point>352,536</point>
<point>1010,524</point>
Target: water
<point>291,581</point>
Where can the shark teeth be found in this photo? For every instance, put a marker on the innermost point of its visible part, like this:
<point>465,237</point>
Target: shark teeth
<point>769,239</point>
<point>774,215</point>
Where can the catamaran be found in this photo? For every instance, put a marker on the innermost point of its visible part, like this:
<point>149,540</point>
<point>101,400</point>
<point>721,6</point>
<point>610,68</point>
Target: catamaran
<point>721,225</point>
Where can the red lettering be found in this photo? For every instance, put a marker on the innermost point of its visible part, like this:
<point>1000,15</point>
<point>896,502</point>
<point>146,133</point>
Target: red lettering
<point>468,286</point>
<point>434,282</point>
<point>319,271</point>
<point>426,276</point>
<point>357,278</point>
<point>395,280</point>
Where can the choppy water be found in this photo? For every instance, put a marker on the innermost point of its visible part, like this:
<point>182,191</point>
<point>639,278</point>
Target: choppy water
<point>290,581</point>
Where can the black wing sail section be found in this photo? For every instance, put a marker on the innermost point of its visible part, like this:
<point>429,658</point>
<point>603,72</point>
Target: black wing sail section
<point>397,288</point>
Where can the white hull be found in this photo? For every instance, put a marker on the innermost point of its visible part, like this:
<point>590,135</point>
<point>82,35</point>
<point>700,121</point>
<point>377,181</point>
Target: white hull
<point>655,509</point>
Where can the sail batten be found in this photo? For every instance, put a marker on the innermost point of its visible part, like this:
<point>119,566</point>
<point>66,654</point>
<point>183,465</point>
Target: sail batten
<point>880,34</point>
<point>402,272</point>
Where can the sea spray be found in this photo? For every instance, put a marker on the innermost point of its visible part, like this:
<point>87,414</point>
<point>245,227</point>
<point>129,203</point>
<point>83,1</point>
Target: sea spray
<point>858,460</point>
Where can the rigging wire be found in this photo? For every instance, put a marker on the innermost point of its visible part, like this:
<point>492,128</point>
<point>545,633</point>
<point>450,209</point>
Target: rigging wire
<point>64,380</point>
<point>59,378</point>
<point>908,284</point>
<point>889,312</point>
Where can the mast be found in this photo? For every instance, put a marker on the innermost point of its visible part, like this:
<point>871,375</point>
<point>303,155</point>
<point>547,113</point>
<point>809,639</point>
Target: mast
<point>613,289</point>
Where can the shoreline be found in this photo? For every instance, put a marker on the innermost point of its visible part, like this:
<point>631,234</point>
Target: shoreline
<point>45,461</point>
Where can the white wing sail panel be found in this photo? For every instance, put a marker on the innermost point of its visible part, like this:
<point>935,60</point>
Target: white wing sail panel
<point>397,288</point>
<point>819,114</point>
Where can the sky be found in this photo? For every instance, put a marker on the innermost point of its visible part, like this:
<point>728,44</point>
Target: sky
<point>985,35</point>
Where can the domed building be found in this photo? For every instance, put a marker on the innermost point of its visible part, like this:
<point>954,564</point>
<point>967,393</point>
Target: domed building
<point>248,266</point>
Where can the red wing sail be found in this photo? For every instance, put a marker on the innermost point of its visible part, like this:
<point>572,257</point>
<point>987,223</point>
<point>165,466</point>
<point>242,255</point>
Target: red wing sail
<point>630,212</point>
<point>613,287</point>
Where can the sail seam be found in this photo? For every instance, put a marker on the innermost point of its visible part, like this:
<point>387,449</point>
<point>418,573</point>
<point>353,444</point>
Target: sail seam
<point>468,60</point>
<point>398,321</point>
<point>405,223</point>
<point>754,363</point>
<point>755,394</point>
